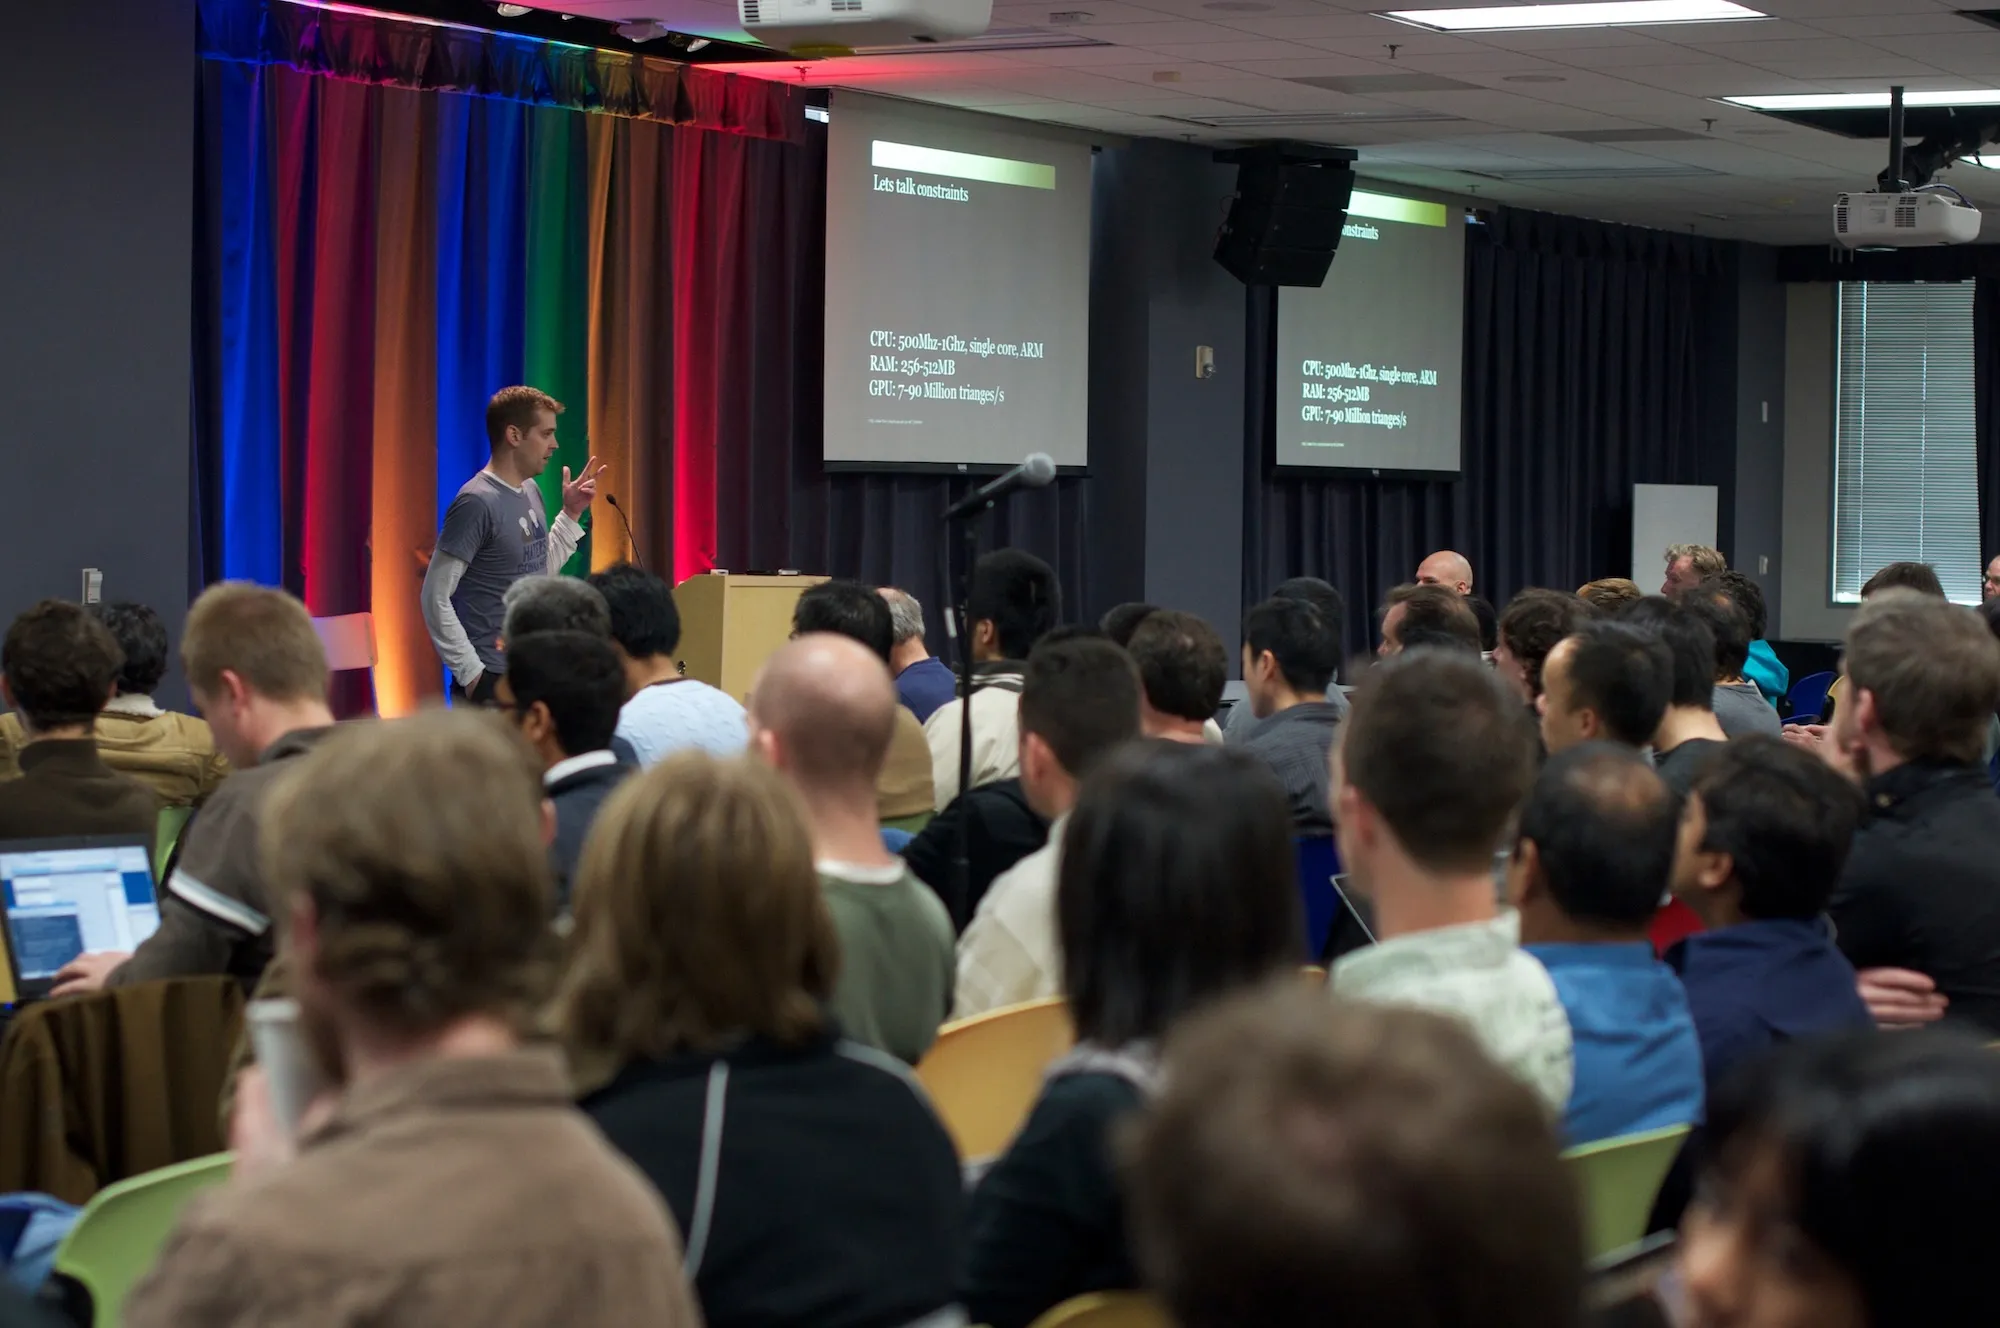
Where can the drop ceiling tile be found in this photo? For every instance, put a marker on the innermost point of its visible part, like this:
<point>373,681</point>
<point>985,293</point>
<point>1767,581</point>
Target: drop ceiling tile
<point>1080,57</point>
<point>1312,64</point>
<point>1232,52</point>
<point>1552,41</point>
<point>1171,32</point>
<point>1895,25</point>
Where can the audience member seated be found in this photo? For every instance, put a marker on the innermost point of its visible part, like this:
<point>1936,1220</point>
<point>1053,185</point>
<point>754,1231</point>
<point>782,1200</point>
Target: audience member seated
<point>1763,842</point>
<point>1417,616</point>
<point>1530,626</point>
<point>1359,1166</point>
<point>1444,568</point>
<point>1488,620</point>
<point>664,712</point>
<point>552,604</point>
<point>1762,667</point>
<point>1920,577</point>
<point>58,667</point>
<point>825,1190</point>
<point>923,681</point>
<point>1079,702</point>
<point>822,712</point>
<point>1288,665</point>
<point>171,753</point>
<point>1333,613</point>
<point>1610,682</point>
<point>1001,829</point>
<point>1609,595</point>
<point>1688,565</point>
<point>1013,601</point>
<point>1178,887</point>
<point>563,690</point>
<point>1740,709</point>
<point>1595,855</point>
<point>257,670</point>
<point>1688,732</point>
<point>451,1182</point>
<point>1182,667</point>
<point>1919,889</point>
<point>1436,758</point>
<point>852,610</point>
<point>1121,620</point>
<point>1850,1185</point>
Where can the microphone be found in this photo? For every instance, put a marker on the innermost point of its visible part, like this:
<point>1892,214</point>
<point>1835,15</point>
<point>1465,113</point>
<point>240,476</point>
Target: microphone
<point>1037,470</point>
<point>631,541</point>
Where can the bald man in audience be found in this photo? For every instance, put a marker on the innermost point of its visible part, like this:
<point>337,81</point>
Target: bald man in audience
<point>822,712</point>
<point>1447,569</point>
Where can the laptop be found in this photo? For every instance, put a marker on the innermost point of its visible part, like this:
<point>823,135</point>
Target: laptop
<point>71,896</point>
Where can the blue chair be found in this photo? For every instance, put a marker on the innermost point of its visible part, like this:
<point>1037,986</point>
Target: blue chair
<point>1319,863</point>
<point>896,840</point>
<point>1807,699</point>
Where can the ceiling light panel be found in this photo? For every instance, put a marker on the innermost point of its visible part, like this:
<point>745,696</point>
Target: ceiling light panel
<point>1865,101</point>
<point>1615,14</point>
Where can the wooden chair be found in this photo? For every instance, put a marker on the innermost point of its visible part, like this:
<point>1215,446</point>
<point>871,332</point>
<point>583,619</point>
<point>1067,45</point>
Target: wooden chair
<point>984,1073</point>
<point>1619,1179</point>
<point>1106,1309</point>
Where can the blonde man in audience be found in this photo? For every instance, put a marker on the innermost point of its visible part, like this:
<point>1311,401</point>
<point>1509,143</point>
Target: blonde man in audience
<point>1688,565</point>
<point>821,713</point>
<point>1610,594</point>
<point>258,672</point>
<point>450,1183</point>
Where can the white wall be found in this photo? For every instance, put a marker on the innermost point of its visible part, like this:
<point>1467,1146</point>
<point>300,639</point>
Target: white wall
<point>1806,612</point>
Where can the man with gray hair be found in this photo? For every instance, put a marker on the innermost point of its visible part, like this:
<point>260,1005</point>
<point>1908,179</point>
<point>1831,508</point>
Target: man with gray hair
<point>923,682</point>
<point>1688,565</point>
<point>553,604</point>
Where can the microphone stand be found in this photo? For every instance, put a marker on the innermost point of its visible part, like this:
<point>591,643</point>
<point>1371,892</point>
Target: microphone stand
<point>961,859</point>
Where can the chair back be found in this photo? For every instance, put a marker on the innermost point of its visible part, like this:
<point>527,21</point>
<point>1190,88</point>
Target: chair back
<point>1106,1309</point>
<point>116,1240</point>
<point>984,1073</point>
<point>1807,697</point>
<point>166,834</point>
<point>1319,863</point>
<point>1619,1179</point>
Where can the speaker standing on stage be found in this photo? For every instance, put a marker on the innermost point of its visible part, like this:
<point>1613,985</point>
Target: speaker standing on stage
<point>494,534</point>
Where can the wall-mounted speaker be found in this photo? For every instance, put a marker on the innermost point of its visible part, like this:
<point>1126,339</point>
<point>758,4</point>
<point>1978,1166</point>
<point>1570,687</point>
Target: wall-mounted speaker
<point>1284,221</point>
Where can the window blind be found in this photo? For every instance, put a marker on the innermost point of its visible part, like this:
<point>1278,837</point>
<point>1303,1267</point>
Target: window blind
<point>1904,487</point>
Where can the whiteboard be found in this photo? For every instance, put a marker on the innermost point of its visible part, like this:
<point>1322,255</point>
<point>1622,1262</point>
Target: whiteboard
<point>1664,514</point>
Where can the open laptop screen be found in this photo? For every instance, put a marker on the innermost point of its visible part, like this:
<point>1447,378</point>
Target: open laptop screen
<point>66,898</point>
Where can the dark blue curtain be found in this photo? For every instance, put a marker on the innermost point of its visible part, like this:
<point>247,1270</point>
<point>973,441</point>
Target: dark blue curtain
<point>1596,357</point>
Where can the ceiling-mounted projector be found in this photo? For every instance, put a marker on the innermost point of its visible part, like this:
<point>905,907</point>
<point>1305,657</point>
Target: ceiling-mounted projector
<point>1903,220</point>
<point>837,27</point>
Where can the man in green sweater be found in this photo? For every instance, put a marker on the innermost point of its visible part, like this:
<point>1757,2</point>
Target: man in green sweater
<point>822,712</point>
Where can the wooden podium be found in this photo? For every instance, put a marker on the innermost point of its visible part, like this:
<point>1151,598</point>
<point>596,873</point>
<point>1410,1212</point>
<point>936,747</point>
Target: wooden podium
<point>731,624</point>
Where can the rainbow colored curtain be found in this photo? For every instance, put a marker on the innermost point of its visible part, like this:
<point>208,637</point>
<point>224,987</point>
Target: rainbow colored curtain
<point>379,256</point>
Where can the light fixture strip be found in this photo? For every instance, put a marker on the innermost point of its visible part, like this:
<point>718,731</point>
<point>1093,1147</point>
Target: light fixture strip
<point>1596,14</point>
<point>1864,101</point>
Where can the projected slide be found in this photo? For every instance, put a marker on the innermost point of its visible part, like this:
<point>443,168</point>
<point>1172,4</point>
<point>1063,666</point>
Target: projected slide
<point>957,288</point>
<point>1369,364</point>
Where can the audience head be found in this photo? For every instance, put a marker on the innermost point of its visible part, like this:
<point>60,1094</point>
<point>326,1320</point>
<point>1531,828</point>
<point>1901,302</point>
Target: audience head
<point>1014,600</point>
<point>1079,702</point>
<point>58,668</point>
<point>1322,596</point>
<point>1417,616</point>
<point>1920,577</point>
<point>1923,681</point>
<point>553,604</point>
<point>1749,597</point>
<point>1611,681</point>
<point>1533,622</point>
<point>906,617</point>
<point>1596,846</point>
<point>699,919</point>
<point>1728,626</point>
<point>1989,584</point>
<point>564,691</point>
<point>1689,642</point>
<point>1182,669</point>
<point>521,424</point>
<point>1447,569</point>
<point>1435,756</point>
<point>849,609</point>
<point>823,710</point>
<point>255,666</point>
<point>1178,885</point>
<point>645,624</point>
<point>1289,655</point>
<point>1610,594</point>
<point>1370,1163</point>
<point>1488,619</point>
<point>1689,564</point>
<point>410,860</point>
<point>142,639</point>
<point>1765,834</point>
<point>1121,620</point>
<point>1848,1183</point>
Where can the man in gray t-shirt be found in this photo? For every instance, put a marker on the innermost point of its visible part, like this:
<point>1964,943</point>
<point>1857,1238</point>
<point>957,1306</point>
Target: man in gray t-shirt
<point>494,534</point>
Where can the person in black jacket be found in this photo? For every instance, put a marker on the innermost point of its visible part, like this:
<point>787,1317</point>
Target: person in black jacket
<point>1004,829</point>
<point>1920,899</point>
<point>812,1181</point>
<point>1177,886</point>
<point>564,690</point>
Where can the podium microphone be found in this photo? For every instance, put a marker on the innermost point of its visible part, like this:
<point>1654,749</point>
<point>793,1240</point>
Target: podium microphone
<point>631,541</point>
<point>1037,470</point>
